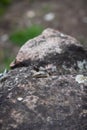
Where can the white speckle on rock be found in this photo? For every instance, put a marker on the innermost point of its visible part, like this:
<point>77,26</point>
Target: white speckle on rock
<point>19,98</point>
<point>16,78</point>
<point>81,78</point>
<point>62,35</point>
<point>26,76</point>
<point>82,64</point>
<point>51,67</point>
<point>49,119</point>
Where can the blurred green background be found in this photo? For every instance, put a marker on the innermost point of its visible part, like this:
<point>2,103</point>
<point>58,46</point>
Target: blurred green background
<point>21,20</point>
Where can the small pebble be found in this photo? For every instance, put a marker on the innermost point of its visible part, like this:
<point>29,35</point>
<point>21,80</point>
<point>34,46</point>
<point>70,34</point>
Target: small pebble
<point>30,14</point>
<point>4,38</point>
<point>49,17</point>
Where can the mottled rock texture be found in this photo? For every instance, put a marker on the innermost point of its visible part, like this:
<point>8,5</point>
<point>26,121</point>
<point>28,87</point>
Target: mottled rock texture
<point>50,47</point>
<point>41,91</point>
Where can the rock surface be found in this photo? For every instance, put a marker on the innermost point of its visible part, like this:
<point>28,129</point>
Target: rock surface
<point>49,44</point>
<point>43,92</point>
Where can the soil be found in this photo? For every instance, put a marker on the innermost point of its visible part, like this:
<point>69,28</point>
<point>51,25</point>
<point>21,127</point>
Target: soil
<point>68,16</point>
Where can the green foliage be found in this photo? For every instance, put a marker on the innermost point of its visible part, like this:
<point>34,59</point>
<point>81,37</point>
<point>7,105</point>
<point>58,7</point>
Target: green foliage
<point>5,59</point>
<point>3,5</point>
<point>5,2</point>
<point>2,10</point>
<point>5,63</point>
<point>21,36</point>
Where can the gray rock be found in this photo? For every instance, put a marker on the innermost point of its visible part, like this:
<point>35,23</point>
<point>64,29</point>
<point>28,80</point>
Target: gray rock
<point>44,91</point>
<point>43,48</point>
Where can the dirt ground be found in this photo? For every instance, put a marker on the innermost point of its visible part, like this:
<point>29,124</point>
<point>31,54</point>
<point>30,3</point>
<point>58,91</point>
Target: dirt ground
<point>67,16</point>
